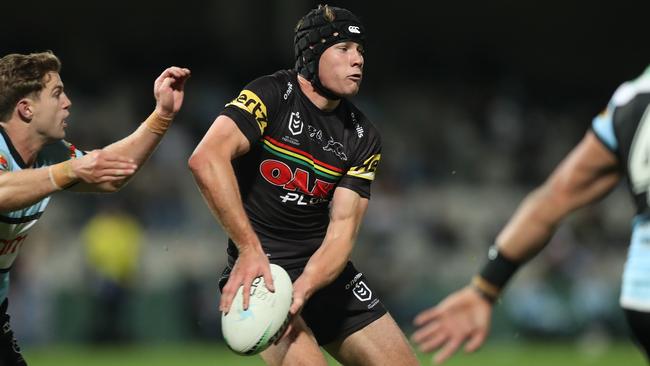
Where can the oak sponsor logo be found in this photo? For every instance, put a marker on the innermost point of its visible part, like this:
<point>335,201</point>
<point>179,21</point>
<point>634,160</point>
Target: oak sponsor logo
<point>251,103</point>
<point>296,183</point>
<point>367,169</point>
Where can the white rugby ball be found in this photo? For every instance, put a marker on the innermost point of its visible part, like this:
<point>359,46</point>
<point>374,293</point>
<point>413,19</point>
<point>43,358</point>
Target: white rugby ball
<point>251,331</point>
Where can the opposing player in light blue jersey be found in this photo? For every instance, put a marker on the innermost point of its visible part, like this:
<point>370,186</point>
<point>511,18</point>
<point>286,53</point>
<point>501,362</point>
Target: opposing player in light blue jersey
<point>616,146</point>
<point>36,162</point>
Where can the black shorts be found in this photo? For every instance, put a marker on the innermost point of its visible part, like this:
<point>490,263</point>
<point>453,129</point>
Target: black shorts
<point>338,309</point>
<point>639,323</point>
<point>9,350</point>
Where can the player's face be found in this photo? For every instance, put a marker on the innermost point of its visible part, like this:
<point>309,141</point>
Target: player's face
<point>341,68</point>
<point>51,108</point>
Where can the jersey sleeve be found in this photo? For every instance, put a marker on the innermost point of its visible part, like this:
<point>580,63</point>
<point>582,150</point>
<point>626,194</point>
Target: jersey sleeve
<point>254,107</point>
<point>610,120</point>
<point>361,173</point>
<point>603,127</point>
<point>57,152</point>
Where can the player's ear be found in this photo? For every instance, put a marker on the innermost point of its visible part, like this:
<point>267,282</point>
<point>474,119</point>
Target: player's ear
<point>24,108</point>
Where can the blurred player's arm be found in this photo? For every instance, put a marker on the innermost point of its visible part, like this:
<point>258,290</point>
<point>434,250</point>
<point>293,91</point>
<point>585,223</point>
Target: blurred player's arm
<point>587,174</point>
<point>211,165</point>
<point>325,265</point>
<point>138,146</point>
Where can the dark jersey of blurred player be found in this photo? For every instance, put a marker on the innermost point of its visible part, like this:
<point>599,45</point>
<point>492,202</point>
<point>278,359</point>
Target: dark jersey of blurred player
<point>299,155</point>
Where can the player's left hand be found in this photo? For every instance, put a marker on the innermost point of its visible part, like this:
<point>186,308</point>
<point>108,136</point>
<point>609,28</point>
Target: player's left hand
<point>169,91</point>
<point>461,316</point>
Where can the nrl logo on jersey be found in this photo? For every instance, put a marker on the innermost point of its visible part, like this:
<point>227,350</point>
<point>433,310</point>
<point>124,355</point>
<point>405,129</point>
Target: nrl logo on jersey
<point>295,124</point>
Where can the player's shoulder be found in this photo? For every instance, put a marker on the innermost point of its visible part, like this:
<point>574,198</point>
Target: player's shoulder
<point>631,89</point>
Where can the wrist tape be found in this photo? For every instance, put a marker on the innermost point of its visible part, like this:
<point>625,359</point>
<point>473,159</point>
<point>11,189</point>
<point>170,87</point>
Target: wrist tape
<point>158,124</point>
<point>61,175</point>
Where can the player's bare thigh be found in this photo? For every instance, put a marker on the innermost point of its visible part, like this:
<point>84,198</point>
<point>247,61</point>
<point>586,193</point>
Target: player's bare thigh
<point>298,348</point>
<point>379,343</point>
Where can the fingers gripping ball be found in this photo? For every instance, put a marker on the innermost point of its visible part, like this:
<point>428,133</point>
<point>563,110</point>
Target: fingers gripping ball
<point>251,331</point>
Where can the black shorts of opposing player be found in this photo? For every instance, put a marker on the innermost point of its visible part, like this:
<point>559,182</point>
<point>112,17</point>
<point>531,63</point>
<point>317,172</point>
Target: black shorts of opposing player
<point>639,323</point>
<point>315,33</point>
<point>9,350</point>
<point>339,309</point>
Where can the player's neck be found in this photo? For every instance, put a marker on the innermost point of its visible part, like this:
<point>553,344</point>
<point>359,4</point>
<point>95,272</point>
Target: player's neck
<point>315,97</point>
<point>26,143</point>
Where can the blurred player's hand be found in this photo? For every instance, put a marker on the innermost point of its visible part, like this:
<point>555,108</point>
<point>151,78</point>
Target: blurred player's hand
<point>169,91</point>
<point>250,264</point>
<point>462,316</point>
<point>99,166</point>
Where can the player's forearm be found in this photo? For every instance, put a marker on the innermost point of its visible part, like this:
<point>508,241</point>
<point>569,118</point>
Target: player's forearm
<point>327,263</point>
<point>532,225</point>
<point>23,188</point>
<point>138,146</point>
<point>330,259</point>
<point>218,185</point>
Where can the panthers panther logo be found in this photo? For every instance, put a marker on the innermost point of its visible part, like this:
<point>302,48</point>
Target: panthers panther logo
<point>336,148</point>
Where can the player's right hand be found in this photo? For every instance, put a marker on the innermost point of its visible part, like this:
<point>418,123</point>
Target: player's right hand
<point>251,263</point>
<point>99,166</point>
<point>461,316</point>
<point>168,89</point>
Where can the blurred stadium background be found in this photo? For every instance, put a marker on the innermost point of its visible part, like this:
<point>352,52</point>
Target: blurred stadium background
<point>477,102</point>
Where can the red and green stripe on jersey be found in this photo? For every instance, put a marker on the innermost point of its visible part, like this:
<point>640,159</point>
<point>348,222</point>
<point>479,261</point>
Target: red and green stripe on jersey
<point>298,156</point>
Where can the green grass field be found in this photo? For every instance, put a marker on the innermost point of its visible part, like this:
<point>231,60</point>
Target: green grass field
<point>500,354</point>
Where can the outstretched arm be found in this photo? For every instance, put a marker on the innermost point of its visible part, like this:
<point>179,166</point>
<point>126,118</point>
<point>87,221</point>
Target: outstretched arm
<point>100,170</point>
<point>211,165</point>
<point>136,148</point>
<point>588,173</point>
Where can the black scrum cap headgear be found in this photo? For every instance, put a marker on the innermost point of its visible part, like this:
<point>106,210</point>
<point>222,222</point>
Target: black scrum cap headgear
<point>315,33</point>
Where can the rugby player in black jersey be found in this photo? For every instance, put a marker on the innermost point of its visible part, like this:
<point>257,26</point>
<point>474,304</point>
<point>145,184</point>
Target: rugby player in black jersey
<point>286,168</point>
<point>615,147</point>
<point>35,161</point>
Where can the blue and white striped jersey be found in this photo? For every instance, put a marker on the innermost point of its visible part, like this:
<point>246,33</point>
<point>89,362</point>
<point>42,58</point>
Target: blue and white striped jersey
<point>15,225</point>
